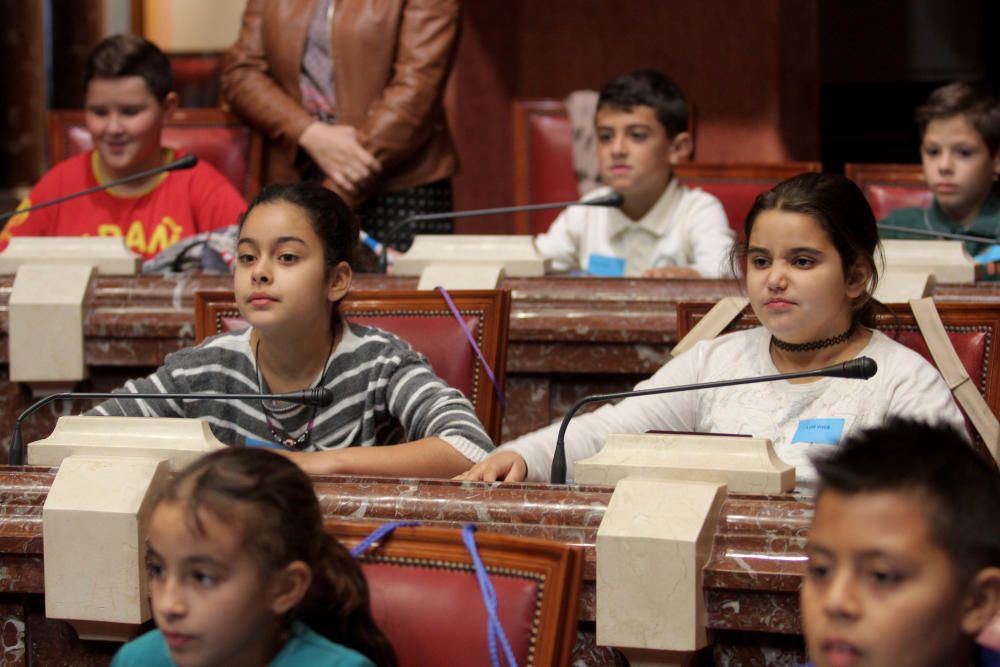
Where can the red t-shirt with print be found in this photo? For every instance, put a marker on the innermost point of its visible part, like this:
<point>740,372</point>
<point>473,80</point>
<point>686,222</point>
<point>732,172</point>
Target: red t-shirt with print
<point>179,204</point>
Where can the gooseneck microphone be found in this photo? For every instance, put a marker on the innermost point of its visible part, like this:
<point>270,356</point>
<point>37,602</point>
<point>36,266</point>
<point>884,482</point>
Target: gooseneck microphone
<point>610,200</point>
<point>861,368</point>
<point>938,235</point>
<point>185,162</point>
<point>317,396</point>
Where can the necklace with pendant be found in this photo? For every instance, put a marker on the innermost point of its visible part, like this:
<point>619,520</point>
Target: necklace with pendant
<point>281,436</point>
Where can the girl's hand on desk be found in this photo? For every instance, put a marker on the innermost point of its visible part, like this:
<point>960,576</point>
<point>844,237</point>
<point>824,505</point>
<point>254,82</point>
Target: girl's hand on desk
<point>503,466</point>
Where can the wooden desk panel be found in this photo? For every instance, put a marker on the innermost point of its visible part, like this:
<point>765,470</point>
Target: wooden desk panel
<point>750,585</point>
<point>569,337</point>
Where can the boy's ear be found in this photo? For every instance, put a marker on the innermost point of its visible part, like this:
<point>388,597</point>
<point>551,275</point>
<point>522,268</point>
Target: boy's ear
<point>288,586</point>
<point>339,282</point>
<point>170,104</point>
<point>681,146</point>
<point>982,601</point>
<point>996,165</point>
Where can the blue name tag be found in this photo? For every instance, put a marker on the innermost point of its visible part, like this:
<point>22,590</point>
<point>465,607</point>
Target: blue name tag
<point>602,265</point>
<point>991,254</point>
<point>265,444</point>
<point>819,431</point>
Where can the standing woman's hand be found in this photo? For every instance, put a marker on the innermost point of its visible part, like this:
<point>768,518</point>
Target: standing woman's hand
<point>337,151</point>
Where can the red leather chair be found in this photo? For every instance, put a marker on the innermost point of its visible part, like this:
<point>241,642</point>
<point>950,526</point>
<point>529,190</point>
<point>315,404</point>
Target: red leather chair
<point>421,318</point>
<point>890,186</point>
<point>543,169</point>
<point>211,134</point>
<point>737,185</point>
<point>426,598</point>
<point>197,78</point>
<point>973,329</point>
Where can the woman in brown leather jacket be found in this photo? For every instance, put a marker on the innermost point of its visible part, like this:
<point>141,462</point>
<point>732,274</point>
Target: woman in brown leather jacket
<point>350,92</point>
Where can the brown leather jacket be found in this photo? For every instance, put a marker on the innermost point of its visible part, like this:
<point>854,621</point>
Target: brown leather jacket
<point>391,60</point>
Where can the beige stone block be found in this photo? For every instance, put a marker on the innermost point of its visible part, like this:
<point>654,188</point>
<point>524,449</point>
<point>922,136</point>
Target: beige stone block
<point>179,441</point>
<point>516,254</point>
<point>46,322</point>
<point>652,545</point>
<point>108,253</point>
<point>461,276</point>
<point>94,523</point>
<point>904,284</point>
<point>745,465</point>
<point>947,260</point>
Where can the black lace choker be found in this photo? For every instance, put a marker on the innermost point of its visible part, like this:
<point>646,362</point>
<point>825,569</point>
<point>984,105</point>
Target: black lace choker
<point>814,345</point>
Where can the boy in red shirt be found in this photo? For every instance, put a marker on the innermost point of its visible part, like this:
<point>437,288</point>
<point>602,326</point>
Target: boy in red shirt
<point>129,97</point>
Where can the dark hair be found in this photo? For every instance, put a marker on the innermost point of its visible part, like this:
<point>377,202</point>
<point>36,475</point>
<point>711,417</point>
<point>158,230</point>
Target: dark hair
<point>131,55</point>
<point>331,218</point>
<point>967,100</point>
<point>651,88</point>
<point>274,503</point>
<point>839,206</point>
<point>935,463</point>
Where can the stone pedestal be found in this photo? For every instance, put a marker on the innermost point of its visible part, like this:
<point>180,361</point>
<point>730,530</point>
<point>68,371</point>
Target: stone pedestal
<point>652,545</point>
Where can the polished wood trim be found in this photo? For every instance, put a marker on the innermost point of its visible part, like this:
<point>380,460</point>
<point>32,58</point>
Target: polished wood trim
<point>868,174</point>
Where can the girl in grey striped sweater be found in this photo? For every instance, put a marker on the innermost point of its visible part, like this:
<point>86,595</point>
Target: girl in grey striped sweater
<point>295,250</point>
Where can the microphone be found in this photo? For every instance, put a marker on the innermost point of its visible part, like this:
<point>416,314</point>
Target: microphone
<point>317,396</point>
<point>185,162</point>
<point>610,200</point>
<point>938,235</point>
<point>861,368</point>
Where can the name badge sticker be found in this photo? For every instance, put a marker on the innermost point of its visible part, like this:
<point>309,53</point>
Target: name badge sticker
<point>819,431</point>
<point>603,265</point>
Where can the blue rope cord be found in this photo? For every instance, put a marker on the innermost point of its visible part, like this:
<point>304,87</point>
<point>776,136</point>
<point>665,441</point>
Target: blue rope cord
<point>493,627</point>
<point>475,347</point>
<point>494,630</point>
<point>364,545</point>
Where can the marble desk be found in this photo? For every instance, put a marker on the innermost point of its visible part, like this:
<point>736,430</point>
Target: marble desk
<point>569,337</point>
<point>750,583</point>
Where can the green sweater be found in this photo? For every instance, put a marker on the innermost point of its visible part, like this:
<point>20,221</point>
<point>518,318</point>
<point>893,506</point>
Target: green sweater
<point>986,224</point>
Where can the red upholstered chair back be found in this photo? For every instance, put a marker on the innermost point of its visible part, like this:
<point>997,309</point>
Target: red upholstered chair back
<point>426,598</point>
<point>891,186</point>
<point>973,329</point>
<point>197,78</point>
<point>212,134</point>
<point>421,318</point>
<point>543,161</point>
<point>543,169</point>
<point>737,185</point>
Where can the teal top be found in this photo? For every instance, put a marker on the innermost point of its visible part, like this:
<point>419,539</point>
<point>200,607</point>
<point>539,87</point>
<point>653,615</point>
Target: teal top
<point>933,219</point>
<point>304,648</point>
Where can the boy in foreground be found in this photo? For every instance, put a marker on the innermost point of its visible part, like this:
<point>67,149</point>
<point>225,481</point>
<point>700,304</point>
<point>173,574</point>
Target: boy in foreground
<point>904,551</point>
<point>664,229</point>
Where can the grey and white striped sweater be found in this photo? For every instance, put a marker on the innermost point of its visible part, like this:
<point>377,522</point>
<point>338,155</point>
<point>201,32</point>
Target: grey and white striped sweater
<point>385,393</point>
